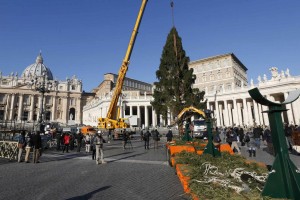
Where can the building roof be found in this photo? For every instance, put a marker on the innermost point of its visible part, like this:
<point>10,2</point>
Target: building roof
<point>220,56</point>
<point>37,69</point>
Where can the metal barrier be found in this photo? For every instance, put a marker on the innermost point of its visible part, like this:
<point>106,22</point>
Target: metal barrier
<point>9,149</point>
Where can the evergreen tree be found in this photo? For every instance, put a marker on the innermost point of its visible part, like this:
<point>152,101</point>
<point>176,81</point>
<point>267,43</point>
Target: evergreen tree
<point>174,90</point>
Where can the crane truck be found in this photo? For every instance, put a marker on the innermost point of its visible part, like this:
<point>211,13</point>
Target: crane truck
<point>199,125</point>
<point>112,120</point>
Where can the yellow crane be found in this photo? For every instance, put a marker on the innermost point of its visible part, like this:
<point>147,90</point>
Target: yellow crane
<point>113,120</point>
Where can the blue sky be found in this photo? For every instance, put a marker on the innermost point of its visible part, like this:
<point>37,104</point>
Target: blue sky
<point>89,38</point>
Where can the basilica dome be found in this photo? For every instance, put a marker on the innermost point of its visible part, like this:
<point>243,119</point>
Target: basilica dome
<point>37,69</point>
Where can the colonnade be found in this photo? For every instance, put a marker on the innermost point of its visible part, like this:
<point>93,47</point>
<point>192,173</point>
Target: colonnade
<point>240,109</point>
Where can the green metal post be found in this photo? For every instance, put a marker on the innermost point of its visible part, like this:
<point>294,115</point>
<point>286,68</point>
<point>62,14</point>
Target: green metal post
<point>210,147</point>
<point>284,178</point>
<point>187,131</point>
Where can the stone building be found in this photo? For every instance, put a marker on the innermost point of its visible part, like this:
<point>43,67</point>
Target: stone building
<point>225,82</point>
<point>21,97</point>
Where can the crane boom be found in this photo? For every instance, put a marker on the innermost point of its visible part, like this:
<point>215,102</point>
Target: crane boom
<point>111,121</point>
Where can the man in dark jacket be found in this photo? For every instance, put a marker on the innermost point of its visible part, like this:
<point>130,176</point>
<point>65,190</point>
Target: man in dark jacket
<point>79,138</point>
<point>147,139</point>
<point>37,146</point>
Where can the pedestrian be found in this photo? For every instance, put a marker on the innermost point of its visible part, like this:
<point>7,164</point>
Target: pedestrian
<point>268,139</point>
<point>256,136</point>
<point>66,142</point>
<point>87,143</point>
<point>37,147</point>
<point>72,141</point>
<point>58,141</point>
<point>109,136</point>
<point>216,137</point>
<point>125,138</point>
<point>99,148</point>
<point>21,145</point>
<point>28,147</point>
<point>234,140</point>
<point>169,136</point>
<point>228,136</point>
<point>93,146</point>
<point>251,144</point>
<point>241,135</point>
<point>79,138</point>
<point>147,139</point>
<point>142,135</point>
<point>288,130</point>
<point>155,138</point>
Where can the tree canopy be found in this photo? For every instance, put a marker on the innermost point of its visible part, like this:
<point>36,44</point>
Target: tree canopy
<point>174,89</point>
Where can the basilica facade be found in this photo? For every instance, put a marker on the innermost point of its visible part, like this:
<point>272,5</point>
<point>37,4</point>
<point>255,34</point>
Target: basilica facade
<point>22,105</point>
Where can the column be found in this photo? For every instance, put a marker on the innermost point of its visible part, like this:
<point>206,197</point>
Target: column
<point>154,118</point>
<point>235,113</point>
<point>245,112</point>
<point>221,114</point>
<point>250,117</point>
<point>65,111</point>
<point>130,110</point>
<point>20,109</point>
<point>139,116</point>
<point>79,111</point>
<point>146,117</point>
<point>257,122</point>
<point>8,100</point>
<point>226,114</point>
<point>31,111</point>
<point>295,107</point>
<point>53,111</point>
<point>260,114</point>
<point>264,114</point>
<point>12,106</point>
<point>230,114</point>
<point>289,110</point>
<point>217,113</point>
<point>239,111</point>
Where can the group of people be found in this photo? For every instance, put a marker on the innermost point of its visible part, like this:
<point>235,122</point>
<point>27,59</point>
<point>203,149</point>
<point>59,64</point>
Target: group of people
<point>33,141</point>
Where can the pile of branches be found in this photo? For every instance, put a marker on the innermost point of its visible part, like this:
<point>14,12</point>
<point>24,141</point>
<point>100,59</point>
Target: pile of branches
<point>225,177</point>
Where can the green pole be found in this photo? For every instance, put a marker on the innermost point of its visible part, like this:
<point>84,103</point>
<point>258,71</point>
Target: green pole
<point>210,147</point>
<point>284,178</point>
<point>187,131</point>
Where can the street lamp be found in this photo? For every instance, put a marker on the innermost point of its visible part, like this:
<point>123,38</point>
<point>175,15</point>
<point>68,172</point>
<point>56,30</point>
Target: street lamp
<point>42,85</point>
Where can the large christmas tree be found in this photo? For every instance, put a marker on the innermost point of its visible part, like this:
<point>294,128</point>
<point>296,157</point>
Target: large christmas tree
<point>174,90</point>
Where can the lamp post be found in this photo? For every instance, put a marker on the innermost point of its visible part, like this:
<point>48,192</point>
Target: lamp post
<point>42,85</point>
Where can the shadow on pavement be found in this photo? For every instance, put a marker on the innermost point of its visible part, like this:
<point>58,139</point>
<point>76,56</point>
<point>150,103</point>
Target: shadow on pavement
<point>89,195</point>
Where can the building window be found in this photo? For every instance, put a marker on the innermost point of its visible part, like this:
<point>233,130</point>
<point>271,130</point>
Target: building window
<point>59,101</point>
<point>73,87</point>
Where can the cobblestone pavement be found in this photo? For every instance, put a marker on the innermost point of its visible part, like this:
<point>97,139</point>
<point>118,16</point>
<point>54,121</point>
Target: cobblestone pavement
<point>133,173</point>
<point>128,174</point>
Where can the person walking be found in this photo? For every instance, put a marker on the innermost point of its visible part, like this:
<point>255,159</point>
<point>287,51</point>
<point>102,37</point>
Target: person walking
<point>257,132</point>
<point>99,148</point>
<point>79,138</point>
<point>155,139</point>
<point>87,143</point>
<point>28,147</point>
<point>234,140</point>
<point>37,146</point>
<point>169,136</point>
<point>58,140</point>
<point>268,139</point>
<point>93,146</point>
<point>21,145</point>
<point>125,138</point>
<point>241,135</point>
<point>66,142</point>
<point>147,139</point>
